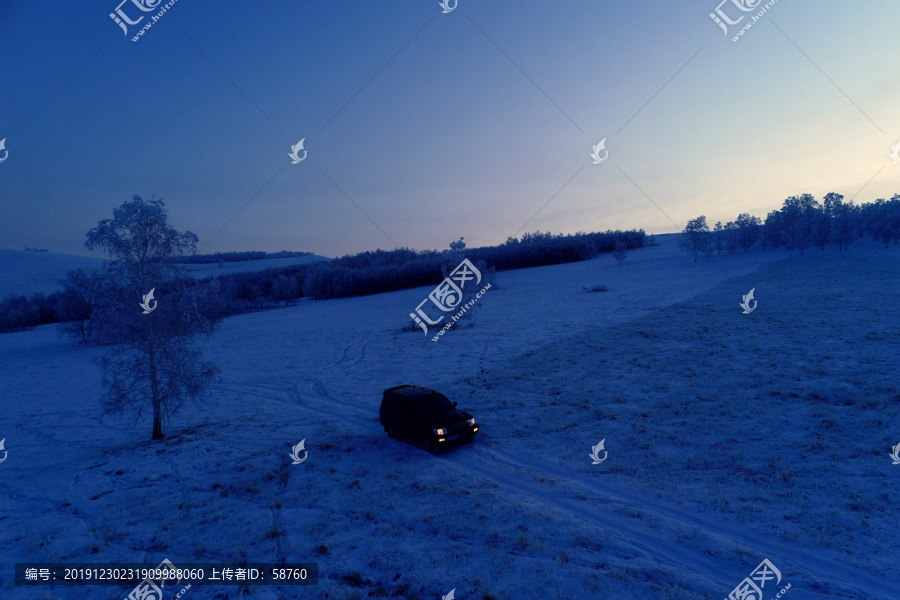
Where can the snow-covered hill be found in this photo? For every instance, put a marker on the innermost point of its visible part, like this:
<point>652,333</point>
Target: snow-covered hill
<point>33,272</point>
<point>29,273</point>
<point>732,438</point>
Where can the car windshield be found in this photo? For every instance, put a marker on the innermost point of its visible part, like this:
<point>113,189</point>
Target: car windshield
<point>432,405</point>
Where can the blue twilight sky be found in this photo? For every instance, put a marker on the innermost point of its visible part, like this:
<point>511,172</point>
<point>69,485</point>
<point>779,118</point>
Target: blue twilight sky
<point>436,125</point>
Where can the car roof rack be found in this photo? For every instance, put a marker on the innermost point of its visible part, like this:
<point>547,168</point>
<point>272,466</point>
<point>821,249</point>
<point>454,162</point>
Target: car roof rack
<point>411,391</point>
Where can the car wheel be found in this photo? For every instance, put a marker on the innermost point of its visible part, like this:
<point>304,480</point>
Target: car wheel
<point>429,446</point>
<point>391,433</point>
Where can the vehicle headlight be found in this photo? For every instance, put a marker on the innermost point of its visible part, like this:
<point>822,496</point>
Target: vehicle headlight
<point>470,422</point>
<point>439,431</point>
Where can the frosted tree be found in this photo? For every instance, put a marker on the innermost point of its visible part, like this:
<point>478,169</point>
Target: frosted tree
<point>153,363</point>
<point>285,289</point>
<point>76,305</point>
<point>695,237</point>
<point>892,220</point>
<point>459,245</point>
<point>620,253</point>
<point>772,229</point>
<point>732,236</point>
<point>453,256</point>
<point>748,230</point>
<point>844,223</point>
<point>804,230</point>
<point>718,237</point>
<point>829,202</point>
<point>821,228</point>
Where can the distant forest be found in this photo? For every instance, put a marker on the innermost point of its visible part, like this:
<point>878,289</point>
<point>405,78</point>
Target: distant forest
<point>801,223</point>
<point>353,275</point>
<point>224,257</point>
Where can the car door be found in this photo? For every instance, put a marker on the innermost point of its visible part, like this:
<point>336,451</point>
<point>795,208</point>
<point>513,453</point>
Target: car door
<point>406,418</point>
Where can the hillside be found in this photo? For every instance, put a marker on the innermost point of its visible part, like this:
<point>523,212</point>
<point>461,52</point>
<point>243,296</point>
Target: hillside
<point>732,438</point>
<point>29,273</point>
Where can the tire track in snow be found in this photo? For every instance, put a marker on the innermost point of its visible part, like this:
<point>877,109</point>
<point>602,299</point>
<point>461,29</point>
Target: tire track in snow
<point>345,361</point>
<point>637,538</point>
<point>806,563</point>
<point>499,467</point>
<point>324,405</point>
<point>631,534</point>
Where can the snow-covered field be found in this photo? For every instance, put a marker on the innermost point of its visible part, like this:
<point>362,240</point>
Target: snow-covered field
<point>29,273</point>
<point>40,272</point>
<point>732,438</point>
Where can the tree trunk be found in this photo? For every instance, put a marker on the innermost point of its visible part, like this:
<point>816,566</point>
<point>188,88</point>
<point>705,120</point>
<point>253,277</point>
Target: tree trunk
<point>154,385</point>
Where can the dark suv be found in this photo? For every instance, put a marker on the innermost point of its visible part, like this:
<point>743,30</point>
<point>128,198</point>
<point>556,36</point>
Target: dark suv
<point>425,416</point>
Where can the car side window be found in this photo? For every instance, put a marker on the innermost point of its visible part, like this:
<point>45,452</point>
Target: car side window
<point>400,404</point>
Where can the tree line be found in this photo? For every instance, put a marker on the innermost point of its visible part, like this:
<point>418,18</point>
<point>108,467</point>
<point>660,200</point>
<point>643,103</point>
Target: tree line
<point>224,257</point>
<point>801,222</point>
<point>385,271</point>
<point>364,273</point>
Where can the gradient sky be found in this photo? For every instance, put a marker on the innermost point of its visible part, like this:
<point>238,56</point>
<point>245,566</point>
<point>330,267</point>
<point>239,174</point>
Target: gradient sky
<point>436,125</point>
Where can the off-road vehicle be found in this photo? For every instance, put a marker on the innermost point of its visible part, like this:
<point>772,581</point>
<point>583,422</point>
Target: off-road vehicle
<point>426,416</point>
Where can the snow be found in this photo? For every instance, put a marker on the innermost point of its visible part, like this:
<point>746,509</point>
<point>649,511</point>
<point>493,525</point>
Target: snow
<point>26,273</point>
<point>731,438</point>
<point>29,273</point>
